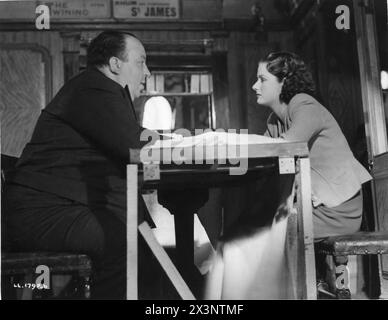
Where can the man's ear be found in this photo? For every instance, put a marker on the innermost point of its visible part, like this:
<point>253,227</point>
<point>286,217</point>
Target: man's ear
<point>114,65</point>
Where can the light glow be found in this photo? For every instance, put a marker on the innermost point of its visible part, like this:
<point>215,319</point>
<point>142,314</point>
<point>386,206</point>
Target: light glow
<point>384,80</point>
<point>157,114</point>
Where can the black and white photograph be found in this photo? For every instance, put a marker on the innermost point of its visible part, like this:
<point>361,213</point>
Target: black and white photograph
<point>220,152</point>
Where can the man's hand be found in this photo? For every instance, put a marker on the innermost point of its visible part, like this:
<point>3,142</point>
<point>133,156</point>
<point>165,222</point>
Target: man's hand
<point>175,138</point>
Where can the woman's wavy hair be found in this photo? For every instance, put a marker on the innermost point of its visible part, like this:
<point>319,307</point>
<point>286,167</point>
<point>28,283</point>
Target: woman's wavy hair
<point>290,68</point>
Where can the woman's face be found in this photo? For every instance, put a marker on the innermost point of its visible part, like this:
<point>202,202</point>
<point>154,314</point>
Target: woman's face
<point>267,87</point>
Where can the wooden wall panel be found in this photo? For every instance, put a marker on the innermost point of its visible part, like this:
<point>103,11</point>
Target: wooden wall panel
<point>284,40</point>
<point>256,114</point>
<point>71,54</point>
<point>243,56</point>
<point>343,87</point>
<point>242,9</point>
<point>22,96</point>
<point>52,41</point>
<point>221,91</point>
<point>26,83</point>
<point>332,56</point>
<point>238,117</point>
<point>165,36</point>
<point>205,9</point>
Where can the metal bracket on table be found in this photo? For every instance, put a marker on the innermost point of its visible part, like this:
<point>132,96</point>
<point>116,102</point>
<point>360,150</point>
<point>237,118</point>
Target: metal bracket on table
<point>286,165</point>
<point>151,171</point>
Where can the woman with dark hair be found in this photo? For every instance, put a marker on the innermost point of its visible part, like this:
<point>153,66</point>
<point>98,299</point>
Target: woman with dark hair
<point>285,85</point>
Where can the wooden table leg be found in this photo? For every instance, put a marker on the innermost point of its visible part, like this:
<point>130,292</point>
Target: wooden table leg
<point>306,235</point>
<point>183,204</point>
<point>184,239</point>
<point>164,260</point>
<point>132,241</point>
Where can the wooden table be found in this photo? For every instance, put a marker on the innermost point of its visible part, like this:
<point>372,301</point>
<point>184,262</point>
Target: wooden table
<point>289,158</point>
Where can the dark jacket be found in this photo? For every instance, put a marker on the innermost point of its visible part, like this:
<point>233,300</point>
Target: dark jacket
<point>80,145</point>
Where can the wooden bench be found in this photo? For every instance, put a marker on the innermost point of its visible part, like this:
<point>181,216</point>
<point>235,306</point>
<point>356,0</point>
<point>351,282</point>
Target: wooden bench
<point>22,269</point>
<point>359,243</point>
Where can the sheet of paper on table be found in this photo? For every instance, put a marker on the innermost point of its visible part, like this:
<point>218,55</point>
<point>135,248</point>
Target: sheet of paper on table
<point>214,138</point>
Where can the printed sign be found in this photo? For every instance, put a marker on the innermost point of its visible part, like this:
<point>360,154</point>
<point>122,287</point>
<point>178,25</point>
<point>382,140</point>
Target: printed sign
<point>146,9</point>
<point>75,9</point>
<point>58,9</point>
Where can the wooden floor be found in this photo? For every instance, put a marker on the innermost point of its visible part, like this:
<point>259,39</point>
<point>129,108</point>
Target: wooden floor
<point>164,233</point>
<point>165,236</point>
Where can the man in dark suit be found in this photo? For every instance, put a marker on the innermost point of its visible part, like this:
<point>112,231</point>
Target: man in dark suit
<point>68,190</point>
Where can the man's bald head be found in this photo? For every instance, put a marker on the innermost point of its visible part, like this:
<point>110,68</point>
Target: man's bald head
<point>109,44</point>
<point>122,58</point>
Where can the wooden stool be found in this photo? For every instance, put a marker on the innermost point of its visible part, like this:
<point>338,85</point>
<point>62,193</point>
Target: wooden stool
<point>44,264</point>
<point>359,243</point>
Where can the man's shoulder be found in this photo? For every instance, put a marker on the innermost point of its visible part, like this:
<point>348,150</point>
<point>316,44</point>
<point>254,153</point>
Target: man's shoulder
<point>92,79</point>
<point>89,88</point>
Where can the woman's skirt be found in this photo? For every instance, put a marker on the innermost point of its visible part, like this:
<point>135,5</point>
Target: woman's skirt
<point>342,219</point>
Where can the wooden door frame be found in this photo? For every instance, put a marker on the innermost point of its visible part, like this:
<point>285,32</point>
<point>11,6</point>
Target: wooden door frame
<point>372,98</point>
<point>373,105</point>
